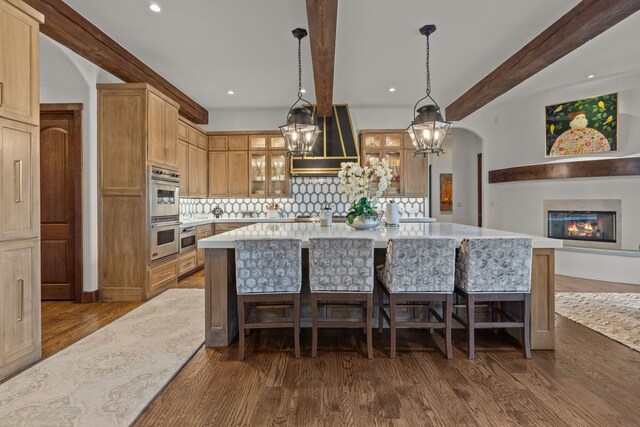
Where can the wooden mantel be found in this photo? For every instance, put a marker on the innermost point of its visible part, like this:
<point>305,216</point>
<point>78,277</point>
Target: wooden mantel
<point>581,169</point>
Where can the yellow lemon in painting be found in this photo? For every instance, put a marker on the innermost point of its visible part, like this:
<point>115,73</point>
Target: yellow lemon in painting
<point>609,119</point>
<point>601,104</point>
<point>552,128</point>
<point>557,110</point>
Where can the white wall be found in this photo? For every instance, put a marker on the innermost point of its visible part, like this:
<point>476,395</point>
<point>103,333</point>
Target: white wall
<point>65,77</point>
<point>513,134</point>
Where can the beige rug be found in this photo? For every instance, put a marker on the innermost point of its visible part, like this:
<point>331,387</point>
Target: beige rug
<point>614,315</point>
<point>109,377</point>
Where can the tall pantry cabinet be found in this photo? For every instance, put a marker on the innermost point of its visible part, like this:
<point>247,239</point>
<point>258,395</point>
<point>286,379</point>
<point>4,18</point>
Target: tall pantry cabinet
<point>20,341</point>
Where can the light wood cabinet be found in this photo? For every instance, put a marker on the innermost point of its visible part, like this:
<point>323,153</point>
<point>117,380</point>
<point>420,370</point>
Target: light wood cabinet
<point>268,174</point>
<point>218,174</point>
<point>162,131</point>
<point>19,189</point>
<point>20,302</point>
<point>183,130</point>
<point>19,63</point>
<point>183,167</point>
<point>202,172</point>
<point>409,172</point>
<point>186,262</point>
<point>238,173</point>
<point>194,175</point>
<point>238,142</point>
<point>202,232</point>
<point>137,126</point>
<point>218,143</point>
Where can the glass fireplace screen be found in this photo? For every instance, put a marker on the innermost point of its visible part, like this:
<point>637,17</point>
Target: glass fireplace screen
<point>582,225</point>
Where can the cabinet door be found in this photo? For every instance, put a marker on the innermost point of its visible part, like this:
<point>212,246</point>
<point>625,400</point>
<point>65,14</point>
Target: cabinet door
<point>202,172</point>
<point>395,162</point>
<point>218,173</point>
<point>277,143</point>
<point>392,140</point>
<point>202,141</point>
<point>278,174</point>
<point>194,174</point>
<point>155,129</point>
<point>193,136</point>
<point>19,66</point>
<point>258,180</point>
<point>217,143</point>
<point>20,299</point>
<point>238,170</point>
<point>371,140</point>
<point>19,188</point>
<point>258,142</point>
<point>183,167</point>
<point>171,135</point>
<point>238,142</point>
<point>414,174</point>
<point>183,131</point>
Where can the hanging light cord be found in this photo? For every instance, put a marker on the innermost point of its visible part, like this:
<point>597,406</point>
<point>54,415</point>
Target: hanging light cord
<point>428,83</point>
<point>300,98</point>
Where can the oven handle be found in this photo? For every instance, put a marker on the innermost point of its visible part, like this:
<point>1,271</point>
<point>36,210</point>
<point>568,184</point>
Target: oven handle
<point>188,229</point>
<point>165,224</point>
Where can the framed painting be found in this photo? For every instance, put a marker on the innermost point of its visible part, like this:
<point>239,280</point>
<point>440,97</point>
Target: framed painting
<point>585,126</point>
<point>446,192</point>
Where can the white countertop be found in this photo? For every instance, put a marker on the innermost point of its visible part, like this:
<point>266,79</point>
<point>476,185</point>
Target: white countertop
<point>305,231</point>
<point>198,221</point>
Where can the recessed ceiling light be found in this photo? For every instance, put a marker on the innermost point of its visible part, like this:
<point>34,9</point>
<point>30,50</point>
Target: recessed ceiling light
<point>590,76</point>
<point>392,89</point>
<point>230,92</point>
<point>155,7</point>
<point>303,91</point>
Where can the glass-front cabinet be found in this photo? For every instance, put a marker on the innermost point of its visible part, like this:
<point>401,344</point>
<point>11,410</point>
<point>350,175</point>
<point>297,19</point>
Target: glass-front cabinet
<point>278,173</point>
<point>408,179</point>
<point>258,183</point>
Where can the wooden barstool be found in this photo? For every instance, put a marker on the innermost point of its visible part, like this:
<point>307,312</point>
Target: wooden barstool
<point>418,271</point>
<point>267,272</point>
<point>341,270</point>
<point>495,270</point>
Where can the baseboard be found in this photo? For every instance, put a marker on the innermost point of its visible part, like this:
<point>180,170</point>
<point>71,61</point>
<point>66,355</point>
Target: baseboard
<point>90,296</point>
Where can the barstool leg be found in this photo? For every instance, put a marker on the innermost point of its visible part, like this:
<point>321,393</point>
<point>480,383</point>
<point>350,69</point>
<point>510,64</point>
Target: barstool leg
<point>314,325</point>
<point>447,322</point>
<point>527,326</point>
<point>471,325</point>
<point>296,324</point>
<point>369,314</point>
<point>392,324</point>
<point>241,327</point>
<point>381,293</point>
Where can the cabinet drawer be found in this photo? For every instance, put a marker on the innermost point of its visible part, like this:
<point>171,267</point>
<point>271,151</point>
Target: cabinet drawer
<point>229,226</point>
<point>186,262</point>
<point>204,230</point>
<point>161,275</point>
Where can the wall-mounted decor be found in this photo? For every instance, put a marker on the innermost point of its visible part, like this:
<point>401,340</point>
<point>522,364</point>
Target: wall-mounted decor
<point>585,126</point>
<point>446,192</point>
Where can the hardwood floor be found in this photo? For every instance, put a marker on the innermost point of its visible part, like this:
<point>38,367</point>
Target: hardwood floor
<point>588,380</point>
<point>575,284</point>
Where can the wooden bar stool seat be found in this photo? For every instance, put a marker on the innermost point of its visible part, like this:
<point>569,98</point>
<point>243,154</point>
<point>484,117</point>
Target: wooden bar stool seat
<point>495,271</point>
<point>419,272</point>
<point>341,270</point>
<point>268,272</point>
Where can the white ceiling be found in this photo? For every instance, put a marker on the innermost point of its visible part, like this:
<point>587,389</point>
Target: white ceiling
<point>206,47</point>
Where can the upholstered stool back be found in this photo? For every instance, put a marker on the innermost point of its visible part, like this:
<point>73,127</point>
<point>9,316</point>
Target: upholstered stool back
<point>494,265</point>
<point>341,265</point>
<point>420,265</point>
<point>268,266</point>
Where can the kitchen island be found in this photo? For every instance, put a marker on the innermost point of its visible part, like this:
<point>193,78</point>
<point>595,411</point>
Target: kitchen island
<point>220,292</point>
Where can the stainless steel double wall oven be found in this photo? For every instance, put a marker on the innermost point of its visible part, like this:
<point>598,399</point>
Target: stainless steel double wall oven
<point>164,209</point>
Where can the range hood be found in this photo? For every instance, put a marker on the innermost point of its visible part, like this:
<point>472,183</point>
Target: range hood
<point>336,143</point>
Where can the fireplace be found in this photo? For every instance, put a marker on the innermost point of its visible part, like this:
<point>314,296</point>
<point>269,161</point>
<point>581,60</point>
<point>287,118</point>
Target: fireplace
<point>599,226</point>
<point>591,223</point>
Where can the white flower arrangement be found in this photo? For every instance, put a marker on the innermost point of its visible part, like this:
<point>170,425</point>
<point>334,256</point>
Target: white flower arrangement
<point>357,184</point>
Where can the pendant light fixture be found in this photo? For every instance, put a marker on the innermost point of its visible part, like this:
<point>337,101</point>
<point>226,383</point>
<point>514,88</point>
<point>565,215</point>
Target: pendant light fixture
<point>428,128</point>
<point>301,130</point>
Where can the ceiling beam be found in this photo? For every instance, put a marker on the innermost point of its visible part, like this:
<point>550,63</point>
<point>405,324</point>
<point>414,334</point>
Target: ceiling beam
<point>322,17</point>
<point>582,23</point>
<point>66,26</point>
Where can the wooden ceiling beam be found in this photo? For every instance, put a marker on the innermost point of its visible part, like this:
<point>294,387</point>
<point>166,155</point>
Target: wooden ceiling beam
<point>322,17</point>
<point>66,26</point>
<point>585,21</point>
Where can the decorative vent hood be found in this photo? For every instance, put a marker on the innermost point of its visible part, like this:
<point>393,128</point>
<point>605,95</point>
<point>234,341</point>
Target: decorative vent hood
<point>336,143</point>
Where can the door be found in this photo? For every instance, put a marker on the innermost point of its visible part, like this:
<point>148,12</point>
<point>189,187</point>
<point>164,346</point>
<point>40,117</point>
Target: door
<point>61,201</point>
<point>202,172</point>
<point>479,171</point>
<point>218,173</point>
<point>238,170</point>
<point>155,129</point>
<point>19,65</point>
<point>194,175</point>
<point>18,153</point>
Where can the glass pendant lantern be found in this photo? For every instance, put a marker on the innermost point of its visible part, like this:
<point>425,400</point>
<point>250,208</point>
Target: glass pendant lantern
<point>301,130</point>
<point>428,128</point>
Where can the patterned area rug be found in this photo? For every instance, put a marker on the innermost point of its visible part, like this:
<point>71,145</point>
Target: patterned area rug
<point>109,377</point>
<point>614,315</point>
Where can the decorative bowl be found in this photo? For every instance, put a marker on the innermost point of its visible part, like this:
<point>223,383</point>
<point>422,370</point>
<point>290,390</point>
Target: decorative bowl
<point>368,222</point>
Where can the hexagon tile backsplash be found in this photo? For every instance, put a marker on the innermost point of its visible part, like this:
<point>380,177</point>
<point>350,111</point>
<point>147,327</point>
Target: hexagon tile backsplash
<point>308,194</point>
